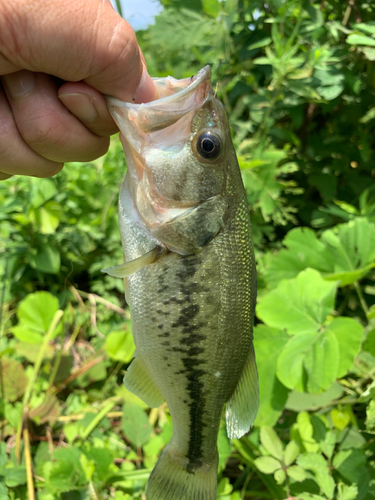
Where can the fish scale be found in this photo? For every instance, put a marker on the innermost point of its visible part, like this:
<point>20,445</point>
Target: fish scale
<point>192,311</point>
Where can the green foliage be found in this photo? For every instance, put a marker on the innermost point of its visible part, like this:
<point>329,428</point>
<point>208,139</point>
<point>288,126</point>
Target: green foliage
<point>297,79</point>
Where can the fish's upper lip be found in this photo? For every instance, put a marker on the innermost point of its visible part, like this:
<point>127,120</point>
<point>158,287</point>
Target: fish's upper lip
<point>201,76</point>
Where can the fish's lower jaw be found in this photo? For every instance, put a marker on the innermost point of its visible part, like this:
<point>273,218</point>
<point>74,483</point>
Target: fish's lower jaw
<point>176,479</point>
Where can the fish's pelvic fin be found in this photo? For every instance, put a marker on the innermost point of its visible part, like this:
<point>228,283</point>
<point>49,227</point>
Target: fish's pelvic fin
<point>138,381</point>
<point>173,479</point>
<point>243,405</point>
<point>128,268</point>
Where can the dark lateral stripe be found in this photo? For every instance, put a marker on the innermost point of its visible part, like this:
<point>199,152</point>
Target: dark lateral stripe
<point>191,346</point>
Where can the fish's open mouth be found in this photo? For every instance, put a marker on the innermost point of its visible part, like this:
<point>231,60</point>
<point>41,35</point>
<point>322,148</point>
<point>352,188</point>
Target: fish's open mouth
<point>177,98</point>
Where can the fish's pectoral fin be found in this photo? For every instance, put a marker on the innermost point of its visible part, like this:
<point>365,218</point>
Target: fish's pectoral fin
<point>243,405</point>
<point>138,381</point>
<point>128,268</point>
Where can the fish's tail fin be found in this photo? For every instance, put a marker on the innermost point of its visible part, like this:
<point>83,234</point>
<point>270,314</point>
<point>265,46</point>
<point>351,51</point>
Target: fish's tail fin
<point>174,479</point>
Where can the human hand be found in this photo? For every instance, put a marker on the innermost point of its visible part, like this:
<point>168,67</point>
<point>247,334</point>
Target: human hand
<point>57,59</point>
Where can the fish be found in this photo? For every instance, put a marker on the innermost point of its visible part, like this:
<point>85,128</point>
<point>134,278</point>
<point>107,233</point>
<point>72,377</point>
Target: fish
<point>190,277</point>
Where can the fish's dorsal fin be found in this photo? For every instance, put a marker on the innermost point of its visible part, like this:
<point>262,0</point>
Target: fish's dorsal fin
<point>138,381</point>
<point>243,405</point>
<point>127,268</point>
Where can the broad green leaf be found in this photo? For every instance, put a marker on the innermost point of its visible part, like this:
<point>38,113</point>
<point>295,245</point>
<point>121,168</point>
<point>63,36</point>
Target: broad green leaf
<point>224,487</point>
<point>47,260</point>
<point>65,473</point>
<point>369,115</point>
<point>211,7</point>
<point>366,28</point>
<point>340,418</point>
<point>296,472</point>
<point>353,438</point>
<point>14,380</point>
<point>135,424</point>
<point>37,310</point>
<point>3,492</point>
<point>360,40</point>
<point>371,312</point>
<point>330,92</point>
<point>345,492</point>
<point>298,305</point>
<point>290,369</point>
<point>347,277</point>
<point>370,416</point>
<point>369,53</point>
<point>317,463</point>
<point>348,333</point>
<point>88,466</point>
<point>15,476</point>
<point>271,442</point>
<point>291,452</point>
<point>46,218</point>
<point>42,190</point>
<point>313,353</point>
<point>369,344</point>
<point>268,343</point>
<point>223,446</point>
<point>321,362</point>
<point>303,250</point>
<point>298,401</point>
<point>268,465</point>
<point>102,458</point>
<point>327,446</point>
<point>120,345</point>
<point>280,476</point>
<point>180,25</point>
<point>31,351</point>
<point>260,43</point>
<point>352,246</point>
<point>153,446</point>
<point>27,335</point>
<point>302,89</point>
<point>302,432</point>
<point>3,454</point>
<point>94,374</point>
<point>348,462</point>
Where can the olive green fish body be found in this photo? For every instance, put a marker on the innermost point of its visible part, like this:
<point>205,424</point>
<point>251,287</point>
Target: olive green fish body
<point>192,306</point>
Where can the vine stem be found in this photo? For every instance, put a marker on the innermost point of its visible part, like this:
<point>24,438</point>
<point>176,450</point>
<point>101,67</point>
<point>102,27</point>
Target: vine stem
<point>361,298</point>
<point>30,386</point>
<point>29,465</point>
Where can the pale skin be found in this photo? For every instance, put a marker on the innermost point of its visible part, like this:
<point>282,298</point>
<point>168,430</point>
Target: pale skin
<point>57,61</point>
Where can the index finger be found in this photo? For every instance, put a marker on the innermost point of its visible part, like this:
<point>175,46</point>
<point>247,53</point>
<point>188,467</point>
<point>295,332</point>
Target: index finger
<point>75,40</point>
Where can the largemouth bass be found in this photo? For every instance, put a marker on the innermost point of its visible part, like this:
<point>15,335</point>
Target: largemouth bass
<point>190,278</point>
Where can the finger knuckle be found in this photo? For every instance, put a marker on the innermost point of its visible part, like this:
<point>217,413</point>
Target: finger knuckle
<point>44,129</point>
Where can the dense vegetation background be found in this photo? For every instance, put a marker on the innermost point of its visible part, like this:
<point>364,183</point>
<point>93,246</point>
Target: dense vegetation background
<point>298,81</point>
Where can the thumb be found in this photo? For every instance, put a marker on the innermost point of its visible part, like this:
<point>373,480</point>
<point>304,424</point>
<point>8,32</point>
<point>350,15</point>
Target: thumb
<point>75,40</point>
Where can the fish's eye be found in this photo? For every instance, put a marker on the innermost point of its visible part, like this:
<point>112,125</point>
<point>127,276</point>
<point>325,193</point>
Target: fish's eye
<point>208,145</point>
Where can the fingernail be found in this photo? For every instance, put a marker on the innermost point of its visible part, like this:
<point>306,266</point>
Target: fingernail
<point>80,105</point>
<point>20,84</point>
<point>146,90</point>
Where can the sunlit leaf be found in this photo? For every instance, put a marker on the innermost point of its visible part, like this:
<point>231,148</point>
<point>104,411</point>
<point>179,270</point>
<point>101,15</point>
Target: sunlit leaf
<point>13,379</point>
<point>268,343</point>
<point>268,465</point>
<point>135,424</point>
<point>120,345</point>
<point>355,39</point>
<point>271,442</point>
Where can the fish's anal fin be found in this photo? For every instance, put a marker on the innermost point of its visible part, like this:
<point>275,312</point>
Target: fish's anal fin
<point>138,381</point>
<point>243,405</point>
<point>128,268</point>
<point>173,479</point>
